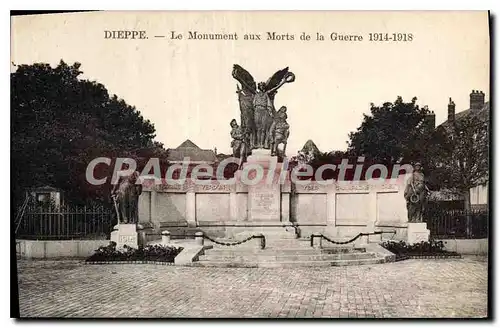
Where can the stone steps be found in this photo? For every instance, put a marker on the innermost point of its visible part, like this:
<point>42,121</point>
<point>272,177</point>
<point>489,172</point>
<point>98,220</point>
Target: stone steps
<point>253,249</point>
<point>270,244</point>
<point>288,264</point>
<point>283,253</point>
<point>343,249</point>
<point>236,250</point>
<point>287,243</point>
<point>285,257</point>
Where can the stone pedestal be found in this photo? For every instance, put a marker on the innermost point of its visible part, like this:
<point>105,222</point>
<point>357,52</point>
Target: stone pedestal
<point>264,197</point>
<point>417,232</point>
<point>261,174</point>
<point>125,234</point>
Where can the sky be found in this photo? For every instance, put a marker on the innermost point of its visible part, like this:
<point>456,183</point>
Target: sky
<point>185,88</point>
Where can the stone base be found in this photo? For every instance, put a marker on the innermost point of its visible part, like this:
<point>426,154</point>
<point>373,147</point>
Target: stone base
<point>261,151</point>
<point>264,195</point>
<point>263,158</point>
<point>417,232</point>
<point>125,234</point>
<point>270,232</point>
<point>392,230</point>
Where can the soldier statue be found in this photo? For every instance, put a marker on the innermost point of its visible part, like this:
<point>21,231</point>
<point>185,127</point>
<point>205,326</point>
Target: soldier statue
<point>125,196</point>
<point>239,141</point>
<point>279,131</point>
<point>416,195</point>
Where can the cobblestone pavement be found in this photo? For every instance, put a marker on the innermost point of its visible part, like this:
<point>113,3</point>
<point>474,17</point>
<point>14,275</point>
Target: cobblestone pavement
<point>411,288</point>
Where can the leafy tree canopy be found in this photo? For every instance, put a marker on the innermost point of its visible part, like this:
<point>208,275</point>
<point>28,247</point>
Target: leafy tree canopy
<point>61,122</point>
<point>393,133</point>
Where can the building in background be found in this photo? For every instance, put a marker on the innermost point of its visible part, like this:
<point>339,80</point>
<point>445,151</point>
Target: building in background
<point>189,153</point>
<point>308,152</point>
<point>480,109</point>
<point>46,195</point>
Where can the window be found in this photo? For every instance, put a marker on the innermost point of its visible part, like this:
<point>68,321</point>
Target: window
<point>43,197</point>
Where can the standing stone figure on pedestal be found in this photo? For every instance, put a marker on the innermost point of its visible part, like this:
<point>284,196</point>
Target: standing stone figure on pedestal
<point>279,131</point>
<point>239,141</point>
<point>416,195</point>
<point>125,195</point>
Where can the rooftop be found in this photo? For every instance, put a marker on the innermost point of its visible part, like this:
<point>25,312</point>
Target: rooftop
<point>191,150</point>
<point>483,114</point>
<point>310,146</point>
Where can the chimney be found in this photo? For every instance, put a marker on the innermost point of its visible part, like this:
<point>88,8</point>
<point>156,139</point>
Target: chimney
<point>476,100</point>
<point>430,122</point>
<point>215,151</point>
<point>451,111</point>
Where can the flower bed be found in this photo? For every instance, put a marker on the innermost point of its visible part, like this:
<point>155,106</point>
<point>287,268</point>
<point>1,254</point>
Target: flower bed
<point>147,254</point>
<point>423,250</point>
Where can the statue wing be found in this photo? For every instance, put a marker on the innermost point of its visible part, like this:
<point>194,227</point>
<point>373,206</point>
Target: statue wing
<point>245,78</point>
<point>276,79</point>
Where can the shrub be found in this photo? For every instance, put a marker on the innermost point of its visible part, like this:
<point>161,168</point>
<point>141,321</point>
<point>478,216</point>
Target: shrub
<point>425,248</point>
<point>156,253</point>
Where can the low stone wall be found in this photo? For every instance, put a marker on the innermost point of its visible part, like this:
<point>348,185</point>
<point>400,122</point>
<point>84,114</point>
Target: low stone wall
<point>467,246</point>
<point>44,249</point>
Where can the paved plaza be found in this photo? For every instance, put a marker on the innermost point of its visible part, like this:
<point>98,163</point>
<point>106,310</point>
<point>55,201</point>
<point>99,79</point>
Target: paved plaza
<point>411,288</point>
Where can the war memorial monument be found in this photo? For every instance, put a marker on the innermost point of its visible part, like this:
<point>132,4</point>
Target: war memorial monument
<point>264,199</point>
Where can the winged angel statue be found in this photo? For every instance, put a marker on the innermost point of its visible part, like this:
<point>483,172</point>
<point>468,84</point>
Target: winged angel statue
<point>257,106</point>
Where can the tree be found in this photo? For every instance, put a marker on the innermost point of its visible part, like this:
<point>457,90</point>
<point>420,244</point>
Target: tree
<point>461,157</point>
<point>61,122</point>
<point>394,133</point>
<point>333,157</point>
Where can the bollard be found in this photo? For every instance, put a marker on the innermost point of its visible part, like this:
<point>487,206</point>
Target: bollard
<point>261,241</point>
<point>141,235</point>
<point>198,237</point>
<point>376,238</point>
<point>364,239</point>
<point>361,241</point>
<point>165,237</point>
<point>317,240</point>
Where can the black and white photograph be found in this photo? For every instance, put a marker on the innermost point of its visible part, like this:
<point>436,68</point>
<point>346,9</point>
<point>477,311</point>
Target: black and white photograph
<point>250,164</point>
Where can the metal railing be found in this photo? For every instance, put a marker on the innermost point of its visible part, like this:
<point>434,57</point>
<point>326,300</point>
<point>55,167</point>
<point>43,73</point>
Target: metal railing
<point>457,223</point>
<point>64,222</point>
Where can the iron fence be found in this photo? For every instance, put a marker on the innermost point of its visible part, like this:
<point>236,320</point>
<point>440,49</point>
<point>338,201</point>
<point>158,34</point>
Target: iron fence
<point>66,222</point>
<point>445,223</point>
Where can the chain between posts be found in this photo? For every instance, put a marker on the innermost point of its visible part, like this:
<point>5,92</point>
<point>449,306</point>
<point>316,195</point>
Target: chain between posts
<point>344,242</point>
<point>262,241</point>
